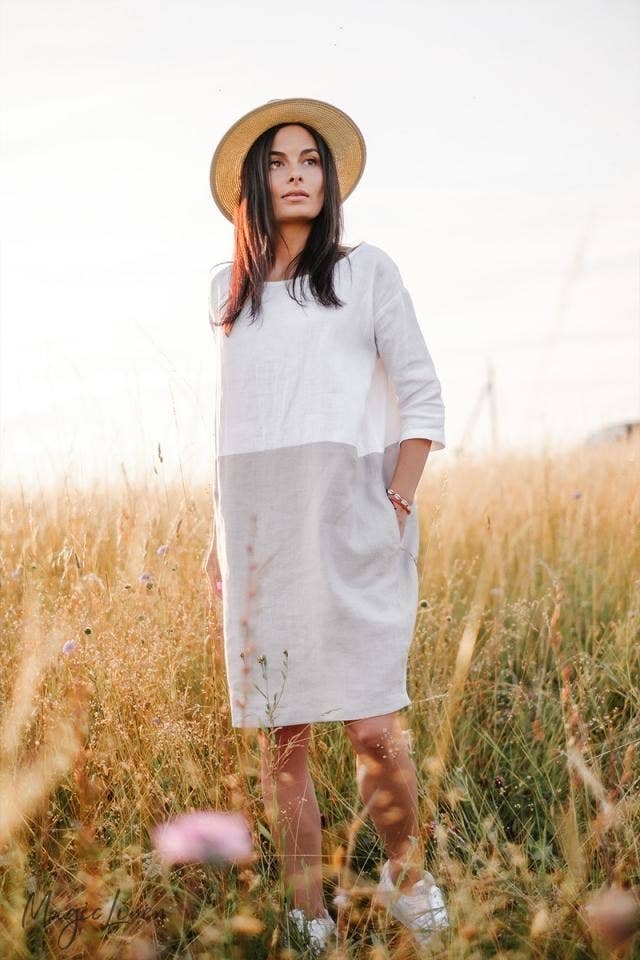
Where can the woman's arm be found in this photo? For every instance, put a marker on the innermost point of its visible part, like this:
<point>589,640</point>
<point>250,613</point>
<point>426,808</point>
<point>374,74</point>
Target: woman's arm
<point>406,358</point>
<point>407,361</point>
<point>410,466</point>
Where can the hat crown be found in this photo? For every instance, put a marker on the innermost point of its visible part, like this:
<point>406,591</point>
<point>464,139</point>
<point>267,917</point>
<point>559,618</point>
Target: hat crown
<point>343,136</point>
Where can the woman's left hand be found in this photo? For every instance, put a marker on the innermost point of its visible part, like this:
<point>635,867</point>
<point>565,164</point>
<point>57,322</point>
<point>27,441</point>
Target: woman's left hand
<point>401,515</point>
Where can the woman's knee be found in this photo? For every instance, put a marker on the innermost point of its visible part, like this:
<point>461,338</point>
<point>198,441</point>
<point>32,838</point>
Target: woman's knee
<point>375,734</point>
<point>285,746</point>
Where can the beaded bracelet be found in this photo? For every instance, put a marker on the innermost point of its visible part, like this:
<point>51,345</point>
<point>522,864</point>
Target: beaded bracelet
<point>396,498</point>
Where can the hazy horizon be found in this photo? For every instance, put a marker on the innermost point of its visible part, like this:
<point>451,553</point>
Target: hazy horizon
<point>503,175</point>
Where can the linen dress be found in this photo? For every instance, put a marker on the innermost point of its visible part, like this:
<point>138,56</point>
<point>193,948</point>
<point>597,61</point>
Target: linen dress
<point>319,589</point>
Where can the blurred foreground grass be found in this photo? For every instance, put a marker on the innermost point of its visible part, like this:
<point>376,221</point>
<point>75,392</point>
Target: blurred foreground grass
<point>524,676</point>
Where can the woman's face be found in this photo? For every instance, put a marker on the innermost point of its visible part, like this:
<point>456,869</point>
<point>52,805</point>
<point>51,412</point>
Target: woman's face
<point>294,165</point>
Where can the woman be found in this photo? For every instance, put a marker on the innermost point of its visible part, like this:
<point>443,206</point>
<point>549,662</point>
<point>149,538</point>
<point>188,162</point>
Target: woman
<point>327,404</point>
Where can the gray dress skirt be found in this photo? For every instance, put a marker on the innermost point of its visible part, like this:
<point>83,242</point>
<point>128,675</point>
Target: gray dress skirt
<point>319,589</point>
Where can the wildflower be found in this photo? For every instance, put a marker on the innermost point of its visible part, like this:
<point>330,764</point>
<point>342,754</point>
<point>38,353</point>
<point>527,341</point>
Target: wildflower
<point>500,783</point>
<point>160,552</point>
<point>613,914</point>
<point>342,898</point>
<point>69,646</point>
<point>144,577</point>
<point>576,494</point>
<point>214,837</point>
<point>16,573</point>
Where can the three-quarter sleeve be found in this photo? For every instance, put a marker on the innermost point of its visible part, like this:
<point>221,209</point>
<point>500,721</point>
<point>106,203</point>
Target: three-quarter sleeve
<point>217,277</point>
<point>401,346</point>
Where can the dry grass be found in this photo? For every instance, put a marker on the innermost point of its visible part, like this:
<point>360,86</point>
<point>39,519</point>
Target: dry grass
<point>524,677</point>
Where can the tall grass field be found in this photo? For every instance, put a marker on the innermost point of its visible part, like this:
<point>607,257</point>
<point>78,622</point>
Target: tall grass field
<point>524,677</point>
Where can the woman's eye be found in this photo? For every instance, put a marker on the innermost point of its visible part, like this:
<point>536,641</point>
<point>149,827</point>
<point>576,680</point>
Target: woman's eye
<point>309,160</point>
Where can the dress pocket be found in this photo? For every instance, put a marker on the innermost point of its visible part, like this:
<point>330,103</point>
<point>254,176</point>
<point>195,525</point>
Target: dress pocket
<point>397,537</point>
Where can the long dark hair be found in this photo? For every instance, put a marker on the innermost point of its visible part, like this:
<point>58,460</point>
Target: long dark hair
<point>255,227</point>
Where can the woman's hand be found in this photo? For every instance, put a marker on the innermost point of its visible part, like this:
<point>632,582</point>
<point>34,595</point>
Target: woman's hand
<point>211,568</point>
<point>401,516</point>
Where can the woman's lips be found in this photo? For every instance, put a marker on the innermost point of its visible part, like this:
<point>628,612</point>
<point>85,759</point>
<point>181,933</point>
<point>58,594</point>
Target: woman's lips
<point>296,196</point>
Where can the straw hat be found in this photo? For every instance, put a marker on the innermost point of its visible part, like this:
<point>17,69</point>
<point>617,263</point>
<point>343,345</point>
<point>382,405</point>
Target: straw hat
<point>341,133</point>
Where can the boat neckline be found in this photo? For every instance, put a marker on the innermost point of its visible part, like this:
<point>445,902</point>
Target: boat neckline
<point>275,283</point>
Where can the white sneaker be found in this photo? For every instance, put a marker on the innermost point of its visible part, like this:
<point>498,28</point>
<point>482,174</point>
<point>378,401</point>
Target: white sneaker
<point>422,910</point>
<point>318,929</point>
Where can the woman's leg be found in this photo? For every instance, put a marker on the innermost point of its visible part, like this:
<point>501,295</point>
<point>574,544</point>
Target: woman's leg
<point>292,810</point>
<point>388,785</point>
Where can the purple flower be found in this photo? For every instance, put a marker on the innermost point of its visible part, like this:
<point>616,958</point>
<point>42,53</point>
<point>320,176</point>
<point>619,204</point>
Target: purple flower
<point>576,494</point>
<point>145,576</point>
<point>214,837</point>
<point>69,646</point>
<point>160,552</point>
<point>613,914</point>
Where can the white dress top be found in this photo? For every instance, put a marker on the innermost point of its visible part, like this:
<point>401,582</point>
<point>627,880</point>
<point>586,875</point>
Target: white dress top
<point>319,590</point>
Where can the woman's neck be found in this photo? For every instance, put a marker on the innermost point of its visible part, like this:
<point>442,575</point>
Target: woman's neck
<point>289,243</point>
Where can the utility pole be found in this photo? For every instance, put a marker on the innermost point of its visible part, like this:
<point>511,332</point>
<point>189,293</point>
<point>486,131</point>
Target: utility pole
<point>487,392</point>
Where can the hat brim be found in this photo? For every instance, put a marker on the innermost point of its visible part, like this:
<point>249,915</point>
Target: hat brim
<point>338,129</point>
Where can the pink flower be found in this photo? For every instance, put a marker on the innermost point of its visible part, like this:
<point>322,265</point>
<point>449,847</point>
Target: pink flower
<point>215,837</point>
<point>69,646</point>
<point>613,914</point>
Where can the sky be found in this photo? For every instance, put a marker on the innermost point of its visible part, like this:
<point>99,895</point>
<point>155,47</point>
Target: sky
<point>502,176</point>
